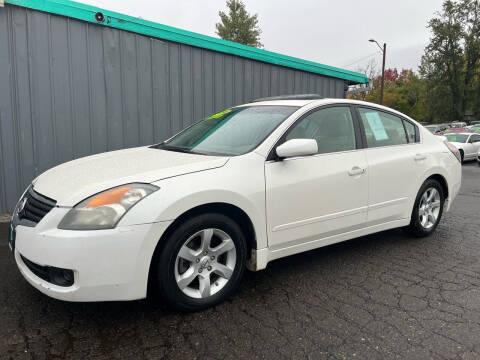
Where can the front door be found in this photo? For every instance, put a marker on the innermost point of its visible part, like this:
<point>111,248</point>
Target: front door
<point>318,196</point>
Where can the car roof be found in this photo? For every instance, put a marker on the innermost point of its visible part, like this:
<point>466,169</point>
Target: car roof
<point>325,101</point>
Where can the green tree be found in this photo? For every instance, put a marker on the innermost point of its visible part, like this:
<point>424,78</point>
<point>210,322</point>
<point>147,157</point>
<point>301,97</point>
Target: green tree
<point>238,25</point>
<point>451,62</point>
<point>404,91</point>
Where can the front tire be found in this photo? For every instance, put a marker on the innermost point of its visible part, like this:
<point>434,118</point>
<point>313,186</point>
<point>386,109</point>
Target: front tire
<point>427,210</point>
<point>202,262</point>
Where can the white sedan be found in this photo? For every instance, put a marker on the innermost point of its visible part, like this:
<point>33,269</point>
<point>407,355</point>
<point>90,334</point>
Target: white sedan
<point>468,144</point>
<point>237,189</point>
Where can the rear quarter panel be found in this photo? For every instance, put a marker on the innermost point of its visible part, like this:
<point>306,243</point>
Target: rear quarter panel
<point>440,161</point>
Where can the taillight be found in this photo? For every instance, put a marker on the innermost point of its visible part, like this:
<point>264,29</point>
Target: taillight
<point>454,151</point>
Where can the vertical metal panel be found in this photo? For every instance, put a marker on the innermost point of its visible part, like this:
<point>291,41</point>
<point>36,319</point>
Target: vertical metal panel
<point>97,90</point>
<point>8,183</point>
<point>113,88</point>
<point>70,89</point>
<point>41,102</point>
<point>60,87</point>
<point>197,84</point>
<point>186,85</point>
<point>129,72</point>
<point>228,80</point>
<point>144,105</point>
<point>161,95</point>
<point>208,81</point>
<point>238,81</point>
<point>248,80</point>
<point>175,95</point>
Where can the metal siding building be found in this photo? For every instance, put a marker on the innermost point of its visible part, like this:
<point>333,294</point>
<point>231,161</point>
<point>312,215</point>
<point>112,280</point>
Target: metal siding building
<point>70,87</point>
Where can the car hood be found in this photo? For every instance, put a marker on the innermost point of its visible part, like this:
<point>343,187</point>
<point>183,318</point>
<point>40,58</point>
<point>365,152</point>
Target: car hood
<point>72,182</point>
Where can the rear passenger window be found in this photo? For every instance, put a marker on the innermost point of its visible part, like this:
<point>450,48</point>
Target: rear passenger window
<point>410,131</point>
<point>475,138</point>
<point>382,129</point>
<point>332,128</point>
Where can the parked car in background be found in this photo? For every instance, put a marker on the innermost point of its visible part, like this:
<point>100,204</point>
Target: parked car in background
<point>473,128</point>
<point>468,144</point>
<point>435,128</point>
<point>240,188</point>
<point>476,122</point>
<point>453,130</point>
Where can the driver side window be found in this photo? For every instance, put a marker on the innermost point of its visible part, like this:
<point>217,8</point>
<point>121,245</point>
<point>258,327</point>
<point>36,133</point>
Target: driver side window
<point>331,127</point>
<point>475,138</point>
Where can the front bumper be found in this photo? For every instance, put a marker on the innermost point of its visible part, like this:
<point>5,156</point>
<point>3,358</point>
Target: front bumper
<point>107,264</point>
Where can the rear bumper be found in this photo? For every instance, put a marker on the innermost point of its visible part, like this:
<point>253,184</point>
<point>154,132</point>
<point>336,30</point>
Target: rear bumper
<point>107,264</point>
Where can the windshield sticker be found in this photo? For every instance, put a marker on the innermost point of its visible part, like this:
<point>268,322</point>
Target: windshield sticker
<point>219,114</point>
<point>452,138</point>
<point>376,125</point>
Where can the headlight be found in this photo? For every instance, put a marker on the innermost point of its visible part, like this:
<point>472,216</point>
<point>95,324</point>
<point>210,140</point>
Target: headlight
<point>104,210</point>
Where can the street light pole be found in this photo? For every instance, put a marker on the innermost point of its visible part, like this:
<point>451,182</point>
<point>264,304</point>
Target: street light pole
<point>384,52</point>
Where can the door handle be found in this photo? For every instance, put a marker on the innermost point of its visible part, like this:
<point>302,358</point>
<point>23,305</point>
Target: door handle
<point>356,171</point>
<point>419,157</point>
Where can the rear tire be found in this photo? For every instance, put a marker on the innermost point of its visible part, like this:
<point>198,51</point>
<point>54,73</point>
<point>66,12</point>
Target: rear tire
<point>202,262</point>
<point>427,210</point>
<point>461,156</point>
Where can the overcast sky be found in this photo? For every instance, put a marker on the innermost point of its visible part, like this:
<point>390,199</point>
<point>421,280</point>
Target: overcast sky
<point>330,32</point>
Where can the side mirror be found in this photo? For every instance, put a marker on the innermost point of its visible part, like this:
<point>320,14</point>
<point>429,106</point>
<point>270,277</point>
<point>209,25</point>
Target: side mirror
<point>297,147</point>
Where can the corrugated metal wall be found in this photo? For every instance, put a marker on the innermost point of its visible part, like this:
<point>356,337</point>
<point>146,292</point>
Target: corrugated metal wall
<point>70,89</point>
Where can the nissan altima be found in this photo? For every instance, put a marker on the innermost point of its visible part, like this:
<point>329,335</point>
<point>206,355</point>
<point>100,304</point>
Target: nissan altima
<point>238,189</point>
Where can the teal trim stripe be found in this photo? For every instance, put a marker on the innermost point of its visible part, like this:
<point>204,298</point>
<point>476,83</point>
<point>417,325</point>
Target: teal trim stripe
<point>124,22</point>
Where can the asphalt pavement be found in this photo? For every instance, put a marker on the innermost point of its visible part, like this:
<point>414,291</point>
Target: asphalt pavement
<point>384,296</point>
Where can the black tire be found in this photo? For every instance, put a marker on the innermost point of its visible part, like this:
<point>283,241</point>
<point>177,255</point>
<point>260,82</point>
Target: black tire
<point>165,280</point>
<point>415,227</point>
<point>461,156</point>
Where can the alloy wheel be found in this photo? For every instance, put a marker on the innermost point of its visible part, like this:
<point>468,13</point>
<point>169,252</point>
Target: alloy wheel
<point>205,263</point>
<point>429,208</point>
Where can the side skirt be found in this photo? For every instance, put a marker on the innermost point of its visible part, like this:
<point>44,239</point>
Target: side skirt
<point>261,257</point>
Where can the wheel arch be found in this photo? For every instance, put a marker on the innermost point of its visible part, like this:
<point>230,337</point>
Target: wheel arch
<point>443,182</point>
<point>232,211</point>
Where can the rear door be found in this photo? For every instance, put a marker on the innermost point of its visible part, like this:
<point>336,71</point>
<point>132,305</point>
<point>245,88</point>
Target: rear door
<point>395,160</point>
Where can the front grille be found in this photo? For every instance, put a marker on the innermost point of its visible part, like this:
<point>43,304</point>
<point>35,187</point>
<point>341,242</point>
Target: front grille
<point>35,206</point>
<point>54,275</point>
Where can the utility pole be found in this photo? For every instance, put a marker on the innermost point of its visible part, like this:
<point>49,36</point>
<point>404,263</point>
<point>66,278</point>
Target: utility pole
<point>384,52</point>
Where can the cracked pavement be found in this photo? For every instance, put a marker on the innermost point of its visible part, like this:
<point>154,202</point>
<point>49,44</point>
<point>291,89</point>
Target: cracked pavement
<point>383,296</point>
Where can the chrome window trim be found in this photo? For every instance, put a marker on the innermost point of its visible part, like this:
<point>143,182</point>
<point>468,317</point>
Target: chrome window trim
<point>401,117</point>
<point>358,141</point>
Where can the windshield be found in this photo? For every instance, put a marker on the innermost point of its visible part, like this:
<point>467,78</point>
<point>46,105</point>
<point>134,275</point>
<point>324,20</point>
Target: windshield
<point>460,138</point>
<point>230,132</point>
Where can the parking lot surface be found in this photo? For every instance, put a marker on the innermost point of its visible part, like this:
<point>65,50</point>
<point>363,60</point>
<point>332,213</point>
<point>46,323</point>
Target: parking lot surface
<point>383,296</point>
